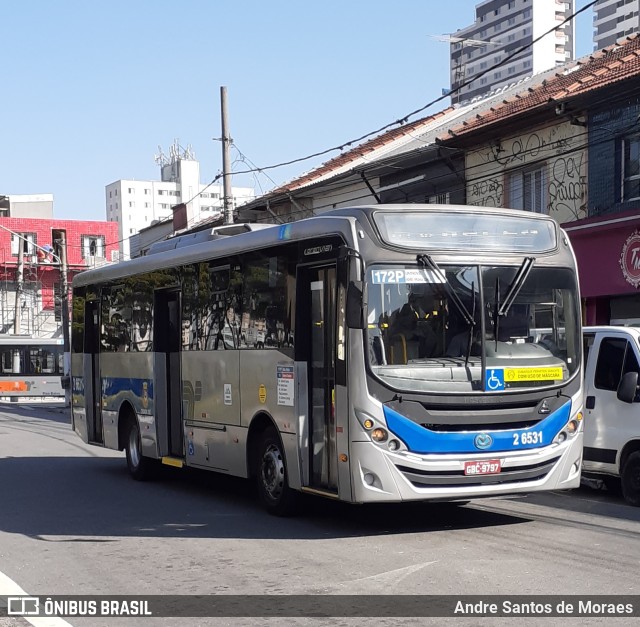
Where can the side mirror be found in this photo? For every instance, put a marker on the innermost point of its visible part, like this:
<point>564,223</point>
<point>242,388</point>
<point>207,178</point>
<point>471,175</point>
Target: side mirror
<point>355,304</point>
<point>627,387</point>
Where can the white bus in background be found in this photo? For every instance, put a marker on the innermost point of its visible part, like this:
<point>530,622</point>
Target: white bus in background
<point>31,367</point>
<point>399,361</point>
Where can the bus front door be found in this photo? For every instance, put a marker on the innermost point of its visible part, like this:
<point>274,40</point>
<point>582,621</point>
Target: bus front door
<point>168,376</point>
<point>93,385</point>
<point>323,459</point>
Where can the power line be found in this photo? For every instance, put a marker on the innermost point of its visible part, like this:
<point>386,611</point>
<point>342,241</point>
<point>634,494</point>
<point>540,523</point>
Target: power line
<point>405,119</point>
<point>400,121</point>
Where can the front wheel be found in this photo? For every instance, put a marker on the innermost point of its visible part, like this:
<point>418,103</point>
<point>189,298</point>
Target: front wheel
<point>631,479</point>
<point>271,476</point>
<point>141,468</point>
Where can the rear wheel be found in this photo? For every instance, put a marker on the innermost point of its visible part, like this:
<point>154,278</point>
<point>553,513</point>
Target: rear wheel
<point>271,476</point>
<point>631,479</point>
<point>141,468</point>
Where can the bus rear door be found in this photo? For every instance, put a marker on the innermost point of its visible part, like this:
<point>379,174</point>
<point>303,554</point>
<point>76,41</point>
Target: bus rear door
<point>91,367</point>
<point>168,375</point>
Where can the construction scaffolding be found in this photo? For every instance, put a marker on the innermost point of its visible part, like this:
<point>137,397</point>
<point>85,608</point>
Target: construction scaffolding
<point>39,314</point>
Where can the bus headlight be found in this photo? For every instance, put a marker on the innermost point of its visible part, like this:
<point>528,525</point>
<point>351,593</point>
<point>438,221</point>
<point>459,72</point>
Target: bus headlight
<point>379,435</point>
<point>572,426</point>
<point>570,429</point>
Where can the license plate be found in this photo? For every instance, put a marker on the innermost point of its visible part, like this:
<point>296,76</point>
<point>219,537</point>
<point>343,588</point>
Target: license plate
<point>485,467</point>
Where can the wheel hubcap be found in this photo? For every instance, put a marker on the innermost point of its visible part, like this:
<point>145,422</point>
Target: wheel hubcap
<point>272,472</point>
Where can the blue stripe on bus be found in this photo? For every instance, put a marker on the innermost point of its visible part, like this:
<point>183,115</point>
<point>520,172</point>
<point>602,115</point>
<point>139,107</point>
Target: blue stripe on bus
<point>112,386</point>
<point>418,439</point>
<point>138,391</point>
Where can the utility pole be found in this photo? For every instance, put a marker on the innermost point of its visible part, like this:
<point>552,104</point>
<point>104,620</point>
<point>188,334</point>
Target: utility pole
<point>226,168</point>
<point>64,289</point>
<point>17,320</point>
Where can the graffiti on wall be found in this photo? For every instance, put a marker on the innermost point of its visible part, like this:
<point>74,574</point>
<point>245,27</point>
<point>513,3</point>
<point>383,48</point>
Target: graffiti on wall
<point>555,154</point>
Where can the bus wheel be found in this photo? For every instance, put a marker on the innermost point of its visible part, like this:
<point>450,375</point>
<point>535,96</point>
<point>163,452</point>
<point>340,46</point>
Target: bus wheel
<point>271,476</point>
<point>140,467</point>
<point>631,479</point>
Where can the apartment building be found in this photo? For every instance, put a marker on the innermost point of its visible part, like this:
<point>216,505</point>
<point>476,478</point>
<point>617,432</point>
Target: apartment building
<point>485,57</point>
<point>137,204</point>
<point>614,19</point>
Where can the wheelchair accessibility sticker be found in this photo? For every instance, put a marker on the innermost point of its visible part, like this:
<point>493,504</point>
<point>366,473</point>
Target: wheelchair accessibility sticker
<point>494,379</point>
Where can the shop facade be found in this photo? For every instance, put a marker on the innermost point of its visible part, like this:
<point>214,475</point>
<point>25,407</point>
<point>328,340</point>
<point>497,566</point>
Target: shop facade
<point>607,250</point>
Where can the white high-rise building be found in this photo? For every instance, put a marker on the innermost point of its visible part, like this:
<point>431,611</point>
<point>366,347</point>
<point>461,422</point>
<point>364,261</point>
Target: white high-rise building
<point>614,19</point>
<point>136,204</point>
<point>501,28</point>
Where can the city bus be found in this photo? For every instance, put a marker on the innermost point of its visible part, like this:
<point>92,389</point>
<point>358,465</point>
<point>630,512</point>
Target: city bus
<point>406,353</point>
<point>31,366</point>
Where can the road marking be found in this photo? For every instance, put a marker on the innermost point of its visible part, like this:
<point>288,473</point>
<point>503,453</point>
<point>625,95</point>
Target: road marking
<point>393,576</point>
<point>9,588</point>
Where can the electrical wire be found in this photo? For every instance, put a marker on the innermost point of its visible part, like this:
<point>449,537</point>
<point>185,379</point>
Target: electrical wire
<point>400,121</point>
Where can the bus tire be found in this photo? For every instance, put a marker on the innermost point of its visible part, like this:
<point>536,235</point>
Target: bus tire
<point>271,476</point>
<point>631,479</point>
<point>141,468</point>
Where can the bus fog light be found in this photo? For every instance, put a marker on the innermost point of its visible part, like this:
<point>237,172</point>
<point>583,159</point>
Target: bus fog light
<point>379,435</point>
<point>562,436</point>
<point>393,445</point>
<point>369,479</point>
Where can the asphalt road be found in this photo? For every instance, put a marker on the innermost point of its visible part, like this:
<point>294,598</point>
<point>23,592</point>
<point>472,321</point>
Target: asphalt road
<point>72,522</point>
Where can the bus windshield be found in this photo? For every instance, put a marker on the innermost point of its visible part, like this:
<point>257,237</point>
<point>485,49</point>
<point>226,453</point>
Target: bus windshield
<point>451,328</point>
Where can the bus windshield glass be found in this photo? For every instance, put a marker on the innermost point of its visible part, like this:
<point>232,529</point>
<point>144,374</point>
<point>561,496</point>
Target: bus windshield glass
<point>450,329</point>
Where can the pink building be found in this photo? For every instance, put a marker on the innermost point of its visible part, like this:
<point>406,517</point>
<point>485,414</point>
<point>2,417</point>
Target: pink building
<point>42,242</point>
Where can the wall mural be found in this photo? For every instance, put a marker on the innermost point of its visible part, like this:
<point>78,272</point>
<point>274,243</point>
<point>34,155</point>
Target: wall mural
<point>559,151</point>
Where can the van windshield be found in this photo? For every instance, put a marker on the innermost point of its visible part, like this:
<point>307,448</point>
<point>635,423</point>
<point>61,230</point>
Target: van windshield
<point>450,331</point>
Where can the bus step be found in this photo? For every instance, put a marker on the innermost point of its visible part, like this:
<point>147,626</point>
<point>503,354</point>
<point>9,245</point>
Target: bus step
<point>319,492</point>
<point>176,462</point>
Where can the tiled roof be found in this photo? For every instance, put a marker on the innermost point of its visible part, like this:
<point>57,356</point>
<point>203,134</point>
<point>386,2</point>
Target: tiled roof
<point>347,159</point>
<point>615,63</point>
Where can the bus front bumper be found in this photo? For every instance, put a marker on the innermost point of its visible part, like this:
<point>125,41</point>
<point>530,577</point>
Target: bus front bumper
<point>379,475</point>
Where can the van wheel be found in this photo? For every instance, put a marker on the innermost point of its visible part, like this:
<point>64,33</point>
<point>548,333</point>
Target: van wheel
<point>613,485</point>
<point>141,468</point>
<point>271,476</point>
<point>631,479</point>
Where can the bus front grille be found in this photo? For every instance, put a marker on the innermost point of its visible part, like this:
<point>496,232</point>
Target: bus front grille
<point>457,478</point>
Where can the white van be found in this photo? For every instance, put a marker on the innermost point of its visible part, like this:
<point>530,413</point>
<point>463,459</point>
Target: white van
<point>612,408</point>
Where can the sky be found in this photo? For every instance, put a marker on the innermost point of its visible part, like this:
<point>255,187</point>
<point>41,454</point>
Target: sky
<point>93,90</point>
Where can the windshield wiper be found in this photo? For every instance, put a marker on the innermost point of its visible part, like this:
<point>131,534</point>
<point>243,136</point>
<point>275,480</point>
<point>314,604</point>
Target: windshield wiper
<point>472,326</point>
<point>430,264</point>
<point>502,309</point>
<point>516,285</point>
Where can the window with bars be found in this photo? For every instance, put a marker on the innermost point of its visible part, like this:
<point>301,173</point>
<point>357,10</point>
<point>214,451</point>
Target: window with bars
<point>527,189</point>
<point>25,242</point>
<point>93,246</point>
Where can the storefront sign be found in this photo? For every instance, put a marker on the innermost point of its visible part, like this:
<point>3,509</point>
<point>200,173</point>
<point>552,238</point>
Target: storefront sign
<point>630,259</point>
